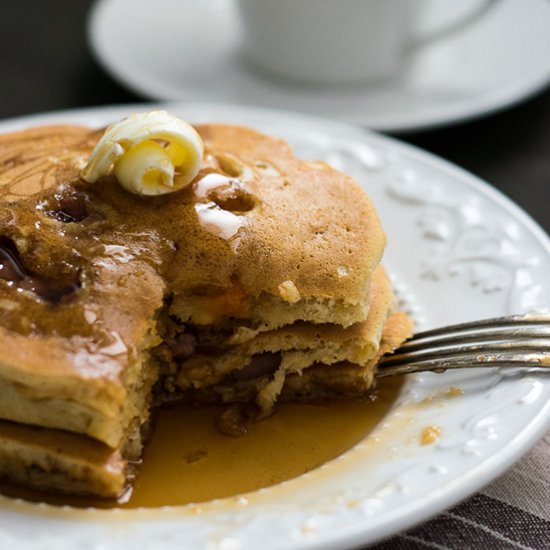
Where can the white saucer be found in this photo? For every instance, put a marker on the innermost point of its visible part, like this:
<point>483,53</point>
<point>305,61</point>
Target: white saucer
<point>189,50</point>
<point>457,250</point>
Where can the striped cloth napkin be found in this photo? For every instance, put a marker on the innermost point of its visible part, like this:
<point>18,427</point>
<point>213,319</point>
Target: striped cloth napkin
<point>512,513</point>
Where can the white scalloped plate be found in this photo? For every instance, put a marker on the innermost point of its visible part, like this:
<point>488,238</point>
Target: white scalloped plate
<point>458,250</point>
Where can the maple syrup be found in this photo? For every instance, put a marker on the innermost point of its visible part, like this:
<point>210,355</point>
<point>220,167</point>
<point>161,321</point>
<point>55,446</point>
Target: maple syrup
<point>189,460</point>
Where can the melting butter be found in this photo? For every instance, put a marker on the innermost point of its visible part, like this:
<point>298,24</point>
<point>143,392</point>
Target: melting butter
<point>209,183</point>
<point>212,217</point>
<point>217,221</point>
<point>151,153</point>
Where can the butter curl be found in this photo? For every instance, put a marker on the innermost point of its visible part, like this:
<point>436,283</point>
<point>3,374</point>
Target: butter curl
<point>151,153</point>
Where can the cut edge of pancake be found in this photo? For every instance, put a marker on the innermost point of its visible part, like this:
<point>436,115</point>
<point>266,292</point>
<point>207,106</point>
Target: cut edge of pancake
<point>55,460</point>
<point>33,403</point>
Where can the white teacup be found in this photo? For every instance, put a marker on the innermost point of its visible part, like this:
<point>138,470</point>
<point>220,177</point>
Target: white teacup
<point>337,41</point>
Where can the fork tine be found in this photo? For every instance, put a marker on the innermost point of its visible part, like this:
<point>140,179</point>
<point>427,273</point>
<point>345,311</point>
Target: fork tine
<point>433,352</point>
<point>484,334</point>
<point>473,360</point>
<point>511,320</point>
<point>518,340</point>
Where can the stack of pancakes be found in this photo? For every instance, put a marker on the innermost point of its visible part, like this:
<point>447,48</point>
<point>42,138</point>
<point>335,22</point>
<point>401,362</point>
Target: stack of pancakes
<point>260,281</point>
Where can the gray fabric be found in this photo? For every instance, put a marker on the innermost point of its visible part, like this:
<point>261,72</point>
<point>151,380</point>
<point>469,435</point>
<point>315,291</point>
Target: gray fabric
<point>527,484</point>
<point>513,513</point>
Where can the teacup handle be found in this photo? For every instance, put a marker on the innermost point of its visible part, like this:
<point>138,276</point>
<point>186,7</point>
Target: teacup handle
<point>455,26</point>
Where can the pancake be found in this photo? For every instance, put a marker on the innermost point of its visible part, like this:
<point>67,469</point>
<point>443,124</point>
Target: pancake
<point>111,301</point>
<point>262,363</point>
<point>54,460</point>
<point>291,260</point>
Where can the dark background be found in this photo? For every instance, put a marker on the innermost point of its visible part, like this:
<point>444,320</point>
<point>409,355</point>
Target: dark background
<point>45,65</point>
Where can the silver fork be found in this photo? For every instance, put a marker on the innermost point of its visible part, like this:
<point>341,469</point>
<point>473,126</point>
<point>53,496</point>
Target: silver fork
<point>514,341</point>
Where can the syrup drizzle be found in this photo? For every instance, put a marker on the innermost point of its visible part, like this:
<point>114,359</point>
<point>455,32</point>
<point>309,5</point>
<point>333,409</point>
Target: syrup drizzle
<point>69,208</point>
<point>221,203</point>
<point>13,270</point>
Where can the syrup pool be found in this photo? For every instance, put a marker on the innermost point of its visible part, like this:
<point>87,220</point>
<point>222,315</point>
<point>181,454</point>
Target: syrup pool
<point>189,460</point>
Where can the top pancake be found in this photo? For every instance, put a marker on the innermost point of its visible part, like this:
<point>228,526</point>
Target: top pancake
<point>307,224</point>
